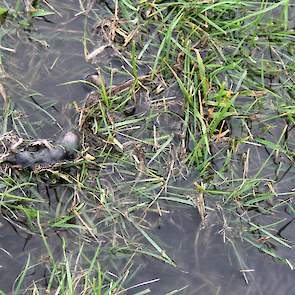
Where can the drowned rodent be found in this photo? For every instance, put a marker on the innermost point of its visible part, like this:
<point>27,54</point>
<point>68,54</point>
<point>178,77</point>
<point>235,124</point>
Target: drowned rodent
<point>64,148</point>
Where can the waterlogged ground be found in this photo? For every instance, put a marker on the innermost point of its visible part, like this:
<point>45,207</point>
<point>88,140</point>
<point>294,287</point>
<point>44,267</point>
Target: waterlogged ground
<point>185,179</point>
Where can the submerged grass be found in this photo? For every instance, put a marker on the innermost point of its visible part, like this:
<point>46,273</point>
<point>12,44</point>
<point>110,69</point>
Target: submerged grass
<point>217,97</point>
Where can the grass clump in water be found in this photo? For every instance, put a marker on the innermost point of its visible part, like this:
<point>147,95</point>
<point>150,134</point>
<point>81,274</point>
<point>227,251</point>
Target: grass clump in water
<point>217,97</point>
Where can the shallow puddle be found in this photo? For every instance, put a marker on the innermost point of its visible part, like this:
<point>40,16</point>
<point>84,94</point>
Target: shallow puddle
<point>206,261</point>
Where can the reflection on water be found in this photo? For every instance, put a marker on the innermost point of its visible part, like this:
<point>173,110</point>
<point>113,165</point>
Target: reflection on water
<point>18,246</point>
<point>209,265</point>
<point>45,58</point>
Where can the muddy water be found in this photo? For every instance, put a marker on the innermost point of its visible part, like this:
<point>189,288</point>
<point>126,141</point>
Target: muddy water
<point>19,247</point>
<point>205,263</point>
<point>46,57</point>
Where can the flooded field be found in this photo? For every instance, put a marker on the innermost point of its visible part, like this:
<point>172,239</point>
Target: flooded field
<point>183,181</point>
